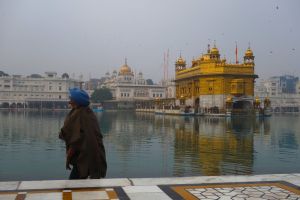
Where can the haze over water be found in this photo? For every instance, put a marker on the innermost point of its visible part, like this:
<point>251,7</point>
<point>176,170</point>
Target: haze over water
<point>148,145</point>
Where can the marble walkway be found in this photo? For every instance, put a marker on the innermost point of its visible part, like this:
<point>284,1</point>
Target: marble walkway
<point>271,186</point>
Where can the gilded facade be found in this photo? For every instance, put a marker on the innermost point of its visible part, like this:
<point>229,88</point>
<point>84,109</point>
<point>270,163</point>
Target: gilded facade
<point>211,81</point>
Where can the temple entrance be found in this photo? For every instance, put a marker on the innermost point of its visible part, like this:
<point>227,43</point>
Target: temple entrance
<point>242,105</point>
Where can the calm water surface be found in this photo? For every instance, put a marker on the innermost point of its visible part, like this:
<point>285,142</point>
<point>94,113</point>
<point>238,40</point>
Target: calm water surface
<point>148,145</point>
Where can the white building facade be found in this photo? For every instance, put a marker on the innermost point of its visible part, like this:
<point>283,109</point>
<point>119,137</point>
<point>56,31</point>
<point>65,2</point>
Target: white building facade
<point>36,91</point>
<point>127,86</point>
<point>275,89</point>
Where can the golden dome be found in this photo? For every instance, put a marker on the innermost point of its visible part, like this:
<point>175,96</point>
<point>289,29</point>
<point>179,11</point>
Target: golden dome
<point>249,52</point>
<point>125,69</point>
<point>214,50</point>
<point>180,60</point>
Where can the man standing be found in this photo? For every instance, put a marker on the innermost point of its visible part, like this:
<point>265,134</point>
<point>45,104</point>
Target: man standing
<point>83,138</point>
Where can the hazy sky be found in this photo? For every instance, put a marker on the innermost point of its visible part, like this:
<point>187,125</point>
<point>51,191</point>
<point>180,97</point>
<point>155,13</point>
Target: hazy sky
<point>91,37</point>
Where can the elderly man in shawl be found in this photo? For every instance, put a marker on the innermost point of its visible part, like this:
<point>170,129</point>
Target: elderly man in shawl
<point>81,133</point>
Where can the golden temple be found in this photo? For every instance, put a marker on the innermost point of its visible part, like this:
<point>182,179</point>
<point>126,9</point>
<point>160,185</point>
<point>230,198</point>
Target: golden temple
<point>211,83</point>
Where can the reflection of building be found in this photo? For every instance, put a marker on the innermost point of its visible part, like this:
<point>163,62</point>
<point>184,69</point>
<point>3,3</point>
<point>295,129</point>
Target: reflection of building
<point>214,146</point>
<point>128,87</point>
<point>135,141</point>
<point>48,91</point>
<point>210,80</point>
<point>283,91</point>
<point>188,146</point>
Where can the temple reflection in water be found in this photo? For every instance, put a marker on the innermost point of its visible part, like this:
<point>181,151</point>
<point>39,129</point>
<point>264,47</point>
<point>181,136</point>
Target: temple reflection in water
<point>215,145</point>
<point>189,145</point>
<point>149,145</point>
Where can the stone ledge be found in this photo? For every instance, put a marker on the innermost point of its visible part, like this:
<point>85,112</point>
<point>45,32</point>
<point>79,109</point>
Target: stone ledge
<point>10,185</point>
<point>59,184</point>
<point>214,179</point>
<point>121,182</point>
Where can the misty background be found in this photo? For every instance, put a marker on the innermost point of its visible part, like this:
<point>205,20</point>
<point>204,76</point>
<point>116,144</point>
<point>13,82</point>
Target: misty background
<point>92,37</point>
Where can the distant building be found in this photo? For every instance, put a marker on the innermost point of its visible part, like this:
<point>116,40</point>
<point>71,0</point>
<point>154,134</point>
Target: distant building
<point>94,83</point>
<point>36,91</point>
<point>298,88</point>
<point>129,88</point>
<point>288,84</point>
<point>283,91</point>
<point>278,85</point>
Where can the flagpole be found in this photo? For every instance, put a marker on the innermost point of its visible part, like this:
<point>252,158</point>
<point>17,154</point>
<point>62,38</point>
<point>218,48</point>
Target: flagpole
<point>236,54</point>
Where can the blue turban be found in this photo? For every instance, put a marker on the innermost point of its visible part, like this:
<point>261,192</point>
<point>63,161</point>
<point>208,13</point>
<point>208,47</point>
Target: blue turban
<point>80,97</point>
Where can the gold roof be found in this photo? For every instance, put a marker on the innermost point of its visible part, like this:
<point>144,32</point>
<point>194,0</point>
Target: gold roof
<point>249,52</point>
<point>214,50</point>
<point>125,69</point>
<point>180,60</point>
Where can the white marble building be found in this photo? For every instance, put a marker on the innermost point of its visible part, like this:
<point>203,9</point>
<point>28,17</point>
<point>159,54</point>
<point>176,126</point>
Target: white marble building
<point>280,101</point>
<point>37,90</point>
<point>125,85</point>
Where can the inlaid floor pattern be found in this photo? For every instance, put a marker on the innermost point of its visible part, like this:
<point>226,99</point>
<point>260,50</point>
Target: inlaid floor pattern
<point>221,191</point>
<point>74,194</point>
<point>235,191</point>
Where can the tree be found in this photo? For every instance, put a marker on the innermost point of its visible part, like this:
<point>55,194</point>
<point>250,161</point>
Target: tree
<point>3,74</point>
<point>149,82</point>
<point>100,95</point>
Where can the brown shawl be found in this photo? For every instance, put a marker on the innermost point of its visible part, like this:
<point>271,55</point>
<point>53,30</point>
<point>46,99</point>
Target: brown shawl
<point>81,132</point>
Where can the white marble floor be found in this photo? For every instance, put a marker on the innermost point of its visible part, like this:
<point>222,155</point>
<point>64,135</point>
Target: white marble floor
<point>282,186</point>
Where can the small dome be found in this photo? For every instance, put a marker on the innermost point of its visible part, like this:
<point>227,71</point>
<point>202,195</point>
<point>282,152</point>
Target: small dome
<point>214,50</point>
<point>249,52</point>
<point>125,69</point>
<point>180,60</point>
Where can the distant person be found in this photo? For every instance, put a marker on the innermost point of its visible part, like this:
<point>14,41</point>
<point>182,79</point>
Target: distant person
<point>81,133</point>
